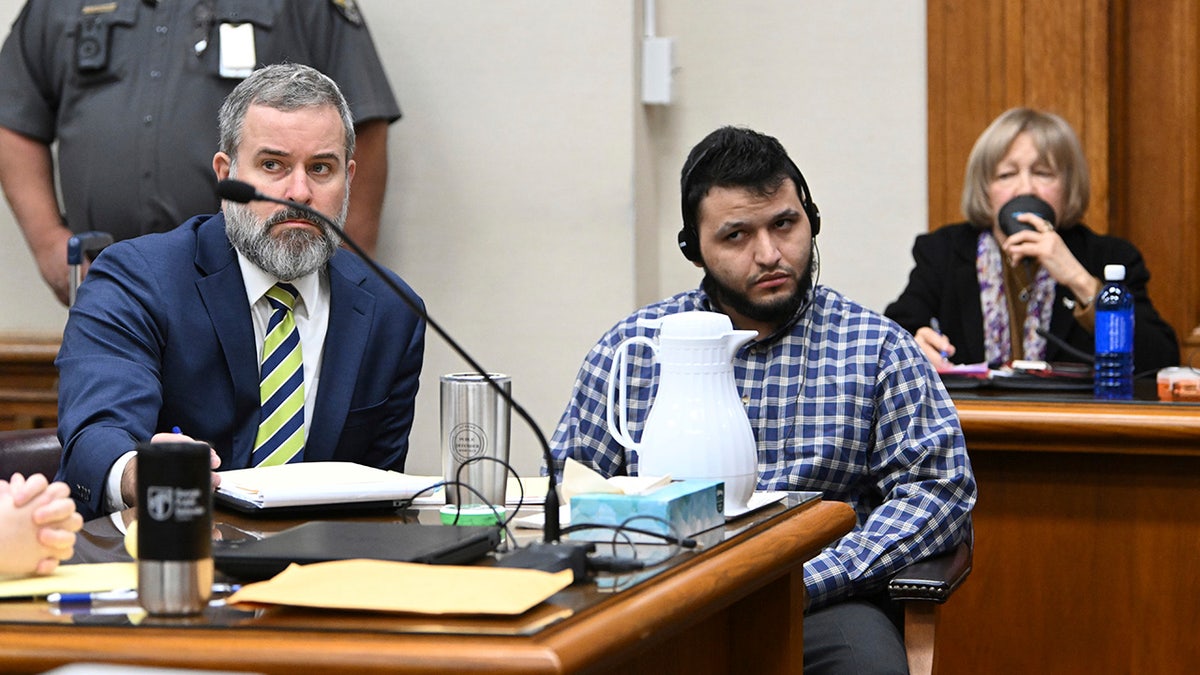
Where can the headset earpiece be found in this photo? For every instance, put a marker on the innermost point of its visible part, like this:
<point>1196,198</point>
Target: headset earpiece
<point>814,216</point>
<point>806,200</point>
<point>689,243</point>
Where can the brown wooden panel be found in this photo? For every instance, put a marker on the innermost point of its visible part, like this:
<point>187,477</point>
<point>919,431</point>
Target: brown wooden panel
<point>964,94</point>
<point>1086,540</point>
<point>1083,564</point>
<point>985,56</point>
<point>1081,427</point>
<point>28,381</point>
<point>1159,140</point>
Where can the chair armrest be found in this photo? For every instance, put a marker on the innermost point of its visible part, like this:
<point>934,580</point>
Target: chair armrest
<point>29,451</point>
<point>934,578</point>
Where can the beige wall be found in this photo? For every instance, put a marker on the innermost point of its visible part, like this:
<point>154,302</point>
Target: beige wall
<point>533,199</point>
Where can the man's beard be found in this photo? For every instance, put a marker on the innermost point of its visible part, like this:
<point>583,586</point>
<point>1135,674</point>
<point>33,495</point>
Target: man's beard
<point>292,254</point>
<point>775,312</point>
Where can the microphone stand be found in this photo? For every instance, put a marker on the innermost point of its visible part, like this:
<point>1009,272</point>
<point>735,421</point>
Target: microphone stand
<point>550,555</point>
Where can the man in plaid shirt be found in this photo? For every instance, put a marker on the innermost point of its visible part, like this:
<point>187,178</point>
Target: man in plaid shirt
<point>840,398</point>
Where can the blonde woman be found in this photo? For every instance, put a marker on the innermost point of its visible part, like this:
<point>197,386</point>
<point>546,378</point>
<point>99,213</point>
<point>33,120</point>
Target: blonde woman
<point>977,294</point>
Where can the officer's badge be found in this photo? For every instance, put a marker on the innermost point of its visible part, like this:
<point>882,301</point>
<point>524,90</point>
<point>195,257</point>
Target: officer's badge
<point>349,11</point>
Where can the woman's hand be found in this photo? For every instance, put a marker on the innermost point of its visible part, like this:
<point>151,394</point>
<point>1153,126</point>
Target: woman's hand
<point>1044,246</point>
<point>937,347</point>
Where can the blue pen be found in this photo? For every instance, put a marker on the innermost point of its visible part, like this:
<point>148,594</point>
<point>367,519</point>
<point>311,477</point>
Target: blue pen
<point>101,597</point>
<point>937,328</point>
<point>118,596</point>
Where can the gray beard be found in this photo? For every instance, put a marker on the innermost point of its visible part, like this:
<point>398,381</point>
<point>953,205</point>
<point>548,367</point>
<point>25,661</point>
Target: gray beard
<point>291,255</point>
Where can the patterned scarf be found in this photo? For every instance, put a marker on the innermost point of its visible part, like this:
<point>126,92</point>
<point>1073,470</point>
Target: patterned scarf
<point>994,300</point>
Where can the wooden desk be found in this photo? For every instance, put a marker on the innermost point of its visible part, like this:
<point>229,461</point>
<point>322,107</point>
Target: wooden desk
<point>736,606</point>
<point>1087,531</point>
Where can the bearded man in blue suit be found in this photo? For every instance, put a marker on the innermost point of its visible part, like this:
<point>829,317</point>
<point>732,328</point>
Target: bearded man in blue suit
<point>165,339</point>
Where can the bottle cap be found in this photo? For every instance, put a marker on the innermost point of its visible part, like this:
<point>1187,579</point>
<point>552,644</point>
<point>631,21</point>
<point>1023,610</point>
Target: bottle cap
<point>1114,273</point>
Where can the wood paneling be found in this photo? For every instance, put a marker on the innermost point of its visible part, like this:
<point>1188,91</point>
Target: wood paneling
<point>1086,541</point>
<point>28,381</point>
<point>1156,138</point>
<point>986,56</point>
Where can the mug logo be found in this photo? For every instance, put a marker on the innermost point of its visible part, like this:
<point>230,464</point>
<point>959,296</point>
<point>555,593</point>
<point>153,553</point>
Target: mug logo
<point>467,441</point>
<point>160,502</point>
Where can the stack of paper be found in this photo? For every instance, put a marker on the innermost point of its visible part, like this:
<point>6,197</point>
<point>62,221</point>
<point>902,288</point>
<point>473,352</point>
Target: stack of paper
<point>308,483</point>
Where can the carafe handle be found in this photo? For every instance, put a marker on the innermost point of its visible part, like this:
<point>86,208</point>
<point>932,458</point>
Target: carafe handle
<point>616,384</point>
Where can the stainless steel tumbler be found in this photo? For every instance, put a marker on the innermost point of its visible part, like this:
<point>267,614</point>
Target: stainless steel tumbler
<point>174,537</point>
<point>475,432</point>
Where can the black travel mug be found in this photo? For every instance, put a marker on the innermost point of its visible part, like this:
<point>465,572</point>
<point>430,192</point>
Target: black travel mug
<point>174,532</point>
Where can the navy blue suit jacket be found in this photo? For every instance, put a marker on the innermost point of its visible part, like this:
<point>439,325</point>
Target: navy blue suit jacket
<point>161,336</point>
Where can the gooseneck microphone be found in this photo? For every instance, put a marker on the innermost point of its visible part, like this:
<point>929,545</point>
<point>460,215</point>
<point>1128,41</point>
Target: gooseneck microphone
<point>561,556</point>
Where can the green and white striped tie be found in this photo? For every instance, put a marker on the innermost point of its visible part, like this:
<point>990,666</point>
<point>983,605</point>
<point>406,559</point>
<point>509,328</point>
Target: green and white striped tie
<point>280,436</point>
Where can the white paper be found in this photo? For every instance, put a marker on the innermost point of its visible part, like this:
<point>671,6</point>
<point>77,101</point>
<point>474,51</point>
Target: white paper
<point>319,483</point>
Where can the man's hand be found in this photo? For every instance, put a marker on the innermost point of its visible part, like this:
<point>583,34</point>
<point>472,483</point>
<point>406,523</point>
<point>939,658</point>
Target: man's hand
<point>50,253</point>
<point>129,475</point>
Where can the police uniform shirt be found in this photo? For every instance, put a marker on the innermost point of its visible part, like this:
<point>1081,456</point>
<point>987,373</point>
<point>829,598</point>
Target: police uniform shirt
<point>130,89</point>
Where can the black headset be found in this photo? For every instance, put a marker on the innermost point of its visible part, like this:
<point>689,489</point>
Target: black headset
<point>689,237</point>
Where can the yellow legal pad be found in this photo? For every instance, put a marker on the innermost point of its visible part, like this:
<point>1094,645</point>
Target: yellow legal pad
<point>87,578</point>
<point>384,586</point>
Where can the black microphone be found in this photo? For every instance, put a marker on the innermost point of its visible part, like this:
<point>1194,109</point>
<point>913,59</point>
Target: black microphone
<point>551,555</point>
<point>240,192</point>
<point>1019,205</point>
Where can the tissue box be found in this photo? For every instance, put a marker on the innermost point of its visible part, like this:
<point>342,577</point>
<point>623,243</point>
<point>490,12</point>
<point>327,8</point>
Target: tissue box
<point>690,506</point>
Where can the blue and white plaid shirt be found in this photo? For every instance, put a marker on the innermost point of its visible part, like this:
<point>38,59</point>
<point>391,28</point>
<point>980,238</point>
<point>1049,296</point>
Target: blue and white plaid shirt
<point>842,401</point>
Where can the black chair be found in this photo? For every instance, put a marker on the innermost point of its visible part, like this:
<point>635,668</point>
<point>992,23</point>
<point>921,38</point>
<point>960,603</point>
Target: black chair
<point>921,588</point>
<point>29,451</point>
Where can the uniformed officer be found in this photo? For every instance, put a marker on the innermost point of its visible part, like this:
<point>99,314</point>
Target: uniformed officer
<point>130,91</point>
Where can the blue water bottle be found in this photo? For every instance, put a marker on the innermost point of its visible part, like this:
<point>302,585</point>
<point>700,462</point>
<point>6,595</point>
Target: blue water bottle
<point>1114,337</point>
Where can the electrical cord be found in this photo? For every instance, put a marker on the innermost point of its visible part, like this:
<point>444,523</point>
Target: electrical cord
<point>1066,346</point>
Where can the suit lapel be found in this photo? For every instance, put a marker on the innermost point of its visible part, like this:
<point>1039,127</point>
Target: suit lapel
<point>351,312</point>
<point>224,295</point>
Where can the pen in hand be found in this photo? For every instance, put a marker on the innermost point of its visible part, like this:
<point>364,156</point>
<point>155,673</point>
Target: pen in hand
<point>937,328</point>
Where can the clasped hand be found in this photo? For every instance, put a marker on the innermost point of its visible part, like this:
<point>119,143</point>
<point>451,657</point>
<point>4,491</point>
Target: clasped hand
<point>38,523</point>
